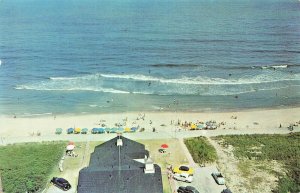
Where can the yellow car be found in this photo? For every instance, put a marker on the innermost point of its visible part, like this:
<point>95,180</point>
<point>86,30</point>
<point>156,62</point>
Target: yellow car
<point>183,169</point>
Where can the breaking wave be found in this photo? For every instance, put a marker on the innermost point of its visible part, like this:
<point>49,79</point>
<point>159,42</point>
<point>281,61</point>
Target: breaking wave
<point>200,80</point>
<point>151,85</point>
<point>107,90</point>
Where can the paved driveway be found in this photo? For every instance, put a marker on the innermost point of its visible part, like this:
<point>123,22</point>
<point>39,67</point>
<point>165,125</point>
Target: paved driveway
<point>203,181</point>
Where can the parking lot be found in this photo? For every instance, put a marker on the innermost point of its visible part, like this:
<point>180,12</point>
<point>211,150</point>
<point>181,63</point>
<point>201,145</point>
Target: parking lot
<point>203,181</point>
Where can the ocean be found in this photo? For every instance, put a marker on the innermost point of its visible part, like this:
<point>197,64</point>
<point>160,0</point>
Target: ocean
<point>105,56</point>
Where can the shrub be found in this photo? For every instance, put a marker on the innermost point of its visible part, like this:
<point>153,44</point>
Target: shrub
<point>201,150</point>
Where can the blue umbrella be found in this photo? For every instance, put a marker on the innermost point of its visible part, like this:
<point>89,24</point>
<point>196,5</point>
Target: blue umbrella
<point>70,130</point>
<point>94,130</point>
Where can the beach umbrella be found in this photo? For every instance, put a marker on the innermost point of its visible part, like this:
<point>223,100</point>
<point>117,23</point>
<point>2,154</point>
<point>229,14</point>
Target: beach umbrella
<point>95,130</point>
<point>193,126</point>
<point>84,131</point>
<point>70,147</point>
<point>164,146</point>
<point>70,130</point>
<point>133,129</point>
<point>127,129</point>
<point>200,126</point>
<point>58,131</point>
<point>77,130</point>
<point>113,130</point>
<point>101,130</point>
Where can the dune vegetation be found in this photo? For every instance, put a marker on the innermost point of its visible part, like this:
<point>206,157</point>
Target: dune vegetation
<point>26,167</point>
<point>201,150</point>
<point>282,148</point>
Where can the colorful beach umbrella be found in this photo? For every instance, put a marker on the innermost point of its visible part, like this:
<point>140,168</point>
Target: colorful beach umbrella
<point>101,130</point>
<point>134,129</point>
<point>70,130</point>
<point>193,126</point>
<point>164,146</point>
<point>58,131</point>
<point>77,130</point>
<point>94,130</point>
<point>84,131</point>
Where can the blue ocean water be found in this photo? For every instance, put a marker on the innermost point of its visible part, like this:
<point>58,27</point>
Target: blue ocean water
<point>74,56</point>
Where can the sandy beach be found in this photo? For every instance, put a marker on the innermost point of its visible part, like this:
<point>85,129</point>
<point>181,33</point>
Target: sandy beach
<point>23,129</point>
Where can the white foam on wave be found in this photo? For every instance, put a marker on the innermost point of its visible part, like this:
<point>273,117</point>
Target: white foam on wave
<point>200,85</point>
<point>275,66</point>
<point>35,114</point>
<point>201,80</point>
<point>193,80</point>
<point>107,90</point>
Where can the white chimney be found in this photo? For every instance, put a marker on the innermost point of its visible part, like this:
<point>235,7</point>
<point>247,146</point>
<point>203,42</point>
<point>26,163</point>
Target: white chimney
<point>119,142</point>
<point>149,166</point>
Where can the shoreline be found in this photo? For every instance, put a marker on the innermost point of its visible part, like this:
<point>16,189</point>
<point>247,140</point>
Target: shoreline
<point>25,129</point>
<point>204,110</point>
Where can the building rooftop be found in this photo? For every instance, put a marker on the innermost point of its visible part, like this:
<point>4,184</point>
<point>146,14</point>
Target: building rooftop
<point>112,169</point>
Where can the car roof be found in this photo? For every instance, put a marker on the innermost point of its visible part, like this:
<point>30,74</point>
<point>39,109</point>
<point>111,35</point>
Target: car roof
<point>184,168</point>
<point>190,188</point>
<point>62,180</point>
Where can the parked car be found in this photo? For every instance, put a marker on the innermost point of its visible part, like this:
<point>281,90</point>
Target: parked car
<point>226,191</point>
<point>187,189</point>
<point>218,178</point>
<point>183,169</point>
<point>162,151</point>
<point>183,177</point>
<point>61,183</point>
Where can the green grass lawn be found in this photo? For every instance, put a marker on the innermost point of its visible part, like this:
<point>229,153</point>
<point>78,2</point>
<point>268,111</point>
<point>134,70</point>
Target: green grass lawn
<point>201,150</point>
<point>282,148</point>
<point>26,167</point>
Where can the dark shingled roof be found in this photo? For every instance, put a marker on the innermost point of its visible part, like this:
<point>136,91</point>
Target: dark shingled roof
<point>106,175</point>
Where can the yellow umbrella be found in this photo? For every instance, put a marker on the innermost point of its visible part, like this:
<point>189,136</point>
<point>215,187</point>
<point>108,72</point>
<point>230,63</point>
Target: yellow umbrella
<point>127,129</point>
<point>193,126</point>
<point>77,130</point>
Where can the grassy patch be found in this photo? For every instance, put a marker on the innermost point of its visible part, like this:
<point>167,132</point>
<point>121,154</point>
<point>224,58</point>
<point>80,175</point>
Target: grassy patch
<point>201,150</point>
<point>282,148</point>
<point>26,167</point>
<point>173,156</point>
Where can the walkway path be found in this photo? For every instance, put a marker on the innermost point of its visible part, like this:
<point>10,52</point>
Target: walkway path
<point>187,154</point>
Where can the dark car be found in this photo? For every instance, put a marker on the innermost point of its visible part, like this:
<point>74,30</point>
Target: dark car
<point>61,183</point>
<point>226,191</point>
<point>187,189</point>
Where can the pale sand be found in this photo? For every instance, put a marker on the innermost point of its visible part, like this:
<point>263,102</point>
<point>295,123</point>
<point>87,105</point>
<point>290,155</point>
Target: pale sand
<point>21,129</point>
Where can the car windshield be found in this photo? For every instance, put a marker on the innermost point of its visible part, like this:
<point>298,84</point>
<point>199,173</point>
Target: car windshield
<point>184,168</point>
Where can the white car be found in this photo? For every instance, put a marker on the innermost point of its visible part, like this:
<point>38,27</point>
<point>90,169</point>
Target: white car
<point>183,177</point>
